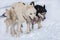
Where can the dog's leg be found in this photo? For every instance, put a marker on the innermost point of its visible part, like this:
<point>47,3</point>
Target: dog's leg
<point>7,25</point>
<point>12,29</point>
<point>28,27</point>
<point>32,26</point>
<point>19,30</point>
<point>39,24</point>
<point>21,27</point>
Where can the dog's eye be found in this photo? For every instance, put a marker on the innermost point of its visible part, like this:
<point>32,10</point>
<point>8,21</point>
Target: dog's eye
<point>30,13</point>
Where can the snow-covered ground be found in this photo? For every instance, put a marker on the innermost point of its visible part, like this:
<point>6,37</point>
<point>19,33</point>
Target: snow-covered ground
<point>50,27</point>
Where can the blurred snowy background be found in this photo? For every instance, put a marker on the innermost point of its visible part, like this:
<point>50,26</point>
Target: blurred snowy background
<point>50,27</point>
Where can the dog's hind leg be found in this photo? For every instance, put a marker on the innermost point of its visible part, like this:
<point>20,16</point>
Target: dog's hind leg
<point>12,29</point>
<point>7,24</point>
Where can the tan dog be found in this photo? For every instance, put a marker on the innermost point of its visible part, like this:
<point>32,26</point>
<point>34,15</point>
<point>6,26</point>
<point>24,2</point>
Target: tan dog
<point>24,13</point>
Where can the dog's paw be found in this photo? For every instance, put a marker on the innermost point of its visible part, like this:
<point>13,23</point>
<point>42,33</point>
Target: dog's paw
<point>18,34</point>
<point>13,33</point>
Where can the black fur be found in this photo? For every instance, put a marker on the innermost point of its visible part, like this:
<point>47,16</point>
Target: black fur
<point>32,3</point>
<point>3,15</point>
<point>40,9</point>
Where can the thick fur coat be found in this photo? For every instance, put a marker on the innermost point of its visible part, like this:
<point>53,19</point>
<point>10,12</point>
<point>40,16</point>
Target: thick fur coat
<point>20,13</point>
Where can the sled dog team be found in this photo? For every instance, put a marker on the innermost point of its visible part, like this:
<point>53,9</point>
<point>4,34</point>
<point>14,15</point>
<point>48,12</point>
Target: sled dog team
<point>20,12</point>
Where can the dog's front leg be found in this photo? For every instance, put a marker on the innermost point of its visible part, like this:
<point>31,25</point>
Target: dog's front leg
<point>19,30</point>
<point>28,27</point>
<point>32,26</point>
<point>39,24</point>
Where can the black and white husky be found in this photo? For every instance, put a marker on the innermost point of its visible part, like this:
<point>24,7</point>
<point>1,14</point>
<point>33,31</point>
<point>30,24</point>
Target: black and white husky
<point>40,14</point>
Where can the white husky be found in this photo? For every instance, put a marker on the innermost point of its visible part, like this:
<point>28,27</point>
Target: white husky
<point>22,13</point>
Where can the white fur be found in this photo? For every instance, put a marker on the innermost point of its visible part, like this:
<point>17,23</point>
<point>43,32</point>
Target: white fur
<point>40,15</point>
<point>19,10</point>
<point>23,10</point>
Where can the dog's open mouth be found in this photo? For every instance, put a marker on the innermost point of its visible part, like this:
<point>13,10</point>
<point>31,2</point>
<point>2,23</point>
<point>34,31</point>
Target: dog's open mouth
<point>33,21</point>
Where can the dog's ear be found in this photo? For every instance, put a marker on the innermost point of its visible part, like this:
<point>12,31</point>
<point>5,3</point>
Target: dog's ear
<point>32,3</point>
<point>44,6</point>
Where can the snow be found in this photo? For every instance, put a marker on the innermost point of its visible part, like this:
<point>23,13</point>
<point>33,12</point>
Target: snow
<point>50,27</point>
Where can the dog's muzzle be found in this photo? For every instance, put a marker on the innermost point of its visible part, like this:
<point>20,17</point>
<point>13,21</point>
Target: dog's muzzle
<point>31,18</point>
<point>42,17</point>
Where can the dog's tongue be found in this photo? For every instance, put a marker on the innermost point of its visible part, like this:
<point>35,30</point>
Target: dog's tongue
<point>32,21</point>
